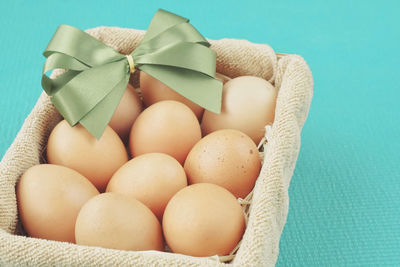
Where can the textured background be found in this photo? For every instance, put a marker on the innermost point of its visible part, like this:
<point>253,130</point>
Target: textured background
<point>345,193</point>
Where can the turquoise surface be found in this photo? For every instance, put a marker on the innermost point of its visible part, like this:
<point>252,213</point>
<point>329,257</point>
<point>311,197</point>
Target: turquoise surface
<point>344,195</point>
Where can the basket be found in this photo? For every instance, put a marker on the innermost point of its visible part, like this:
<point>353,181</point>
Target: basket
<point>267,206</point>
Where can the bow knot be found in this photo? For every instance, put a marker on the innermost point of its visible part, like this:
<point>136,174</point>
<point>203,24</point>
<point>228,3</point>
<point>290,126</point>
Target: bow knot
<point>131,63</point>
<point>172,51</point>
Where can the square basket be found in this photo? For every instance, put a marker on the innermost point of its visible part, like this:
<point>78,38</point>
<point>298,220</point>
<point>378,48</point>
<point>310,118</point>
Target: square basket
<point>267,206</point>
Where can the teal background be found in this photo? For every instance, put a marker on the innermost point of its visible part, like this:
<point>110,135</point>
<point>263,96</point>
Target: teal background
<point>345,192</point>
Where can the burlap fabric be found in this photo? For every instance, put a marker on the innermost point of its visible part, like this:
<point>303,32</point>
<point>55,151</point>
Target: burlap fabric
<point>269,204</point>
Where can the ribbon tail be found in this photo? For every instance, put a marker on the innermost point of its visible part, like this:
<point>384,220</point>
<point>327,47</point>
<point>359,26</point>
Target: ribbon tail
<point>197,87</point>
<point>82,94</point>
<point>98,118</point>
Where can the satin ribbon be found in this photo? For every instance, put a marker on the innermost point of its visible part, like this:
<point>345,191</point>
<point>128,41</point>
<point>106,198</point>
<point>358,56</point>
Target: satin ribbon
<point>172,51</point>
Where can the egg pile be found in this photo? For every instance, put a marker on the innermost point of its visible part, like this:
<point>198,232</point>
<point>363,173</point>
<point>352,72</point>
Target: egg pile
<point>164,171</point>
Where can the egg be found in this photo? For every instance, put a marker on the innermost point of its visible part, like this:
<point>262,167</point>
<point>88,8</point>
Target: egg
<point>228,158</point>
<point>49,199</point>
<point>112,220</point>
<point>168,127</point>
<point>154,91</point>
<point>248,105</point>
<point>151,178</point>
<point>203,220</point>
<point>126,113</point>
<point>76,148</point>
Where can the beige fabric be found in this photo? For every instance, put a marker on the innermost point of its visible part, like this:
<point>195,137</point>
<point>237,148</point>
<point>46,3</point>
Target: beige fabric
<point>269,204</point>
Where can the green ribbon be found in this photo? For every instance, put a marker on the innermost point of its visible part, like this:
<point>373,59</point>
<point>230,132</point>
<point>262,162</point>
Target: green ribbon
<point>172,51</point>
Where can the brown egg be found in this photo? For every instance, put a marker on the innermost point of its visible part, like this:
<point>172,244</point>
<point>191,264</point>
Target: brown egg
<point>228,158</point>
<point>248,105</point>
<point>203,220</point>
<point>151,178</point>
<point>154,91</point>
<point>49,198</point>
<point>115,221</point>
<point>76,148</point>
<point>168,127</point>
<point>126,113</point>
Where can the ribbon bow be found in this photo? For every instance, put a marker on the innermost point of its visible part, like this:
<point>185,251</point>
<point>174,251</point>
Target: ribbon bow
<point>172,51</point>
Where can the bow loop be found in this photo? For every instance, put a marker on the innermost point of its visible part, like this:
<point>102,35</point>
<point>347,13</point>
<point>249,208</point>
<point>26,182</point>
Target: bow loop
<point>175,34</point>
<point>182,55</point>
<point>161,21</point>
<point>78,44</point>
